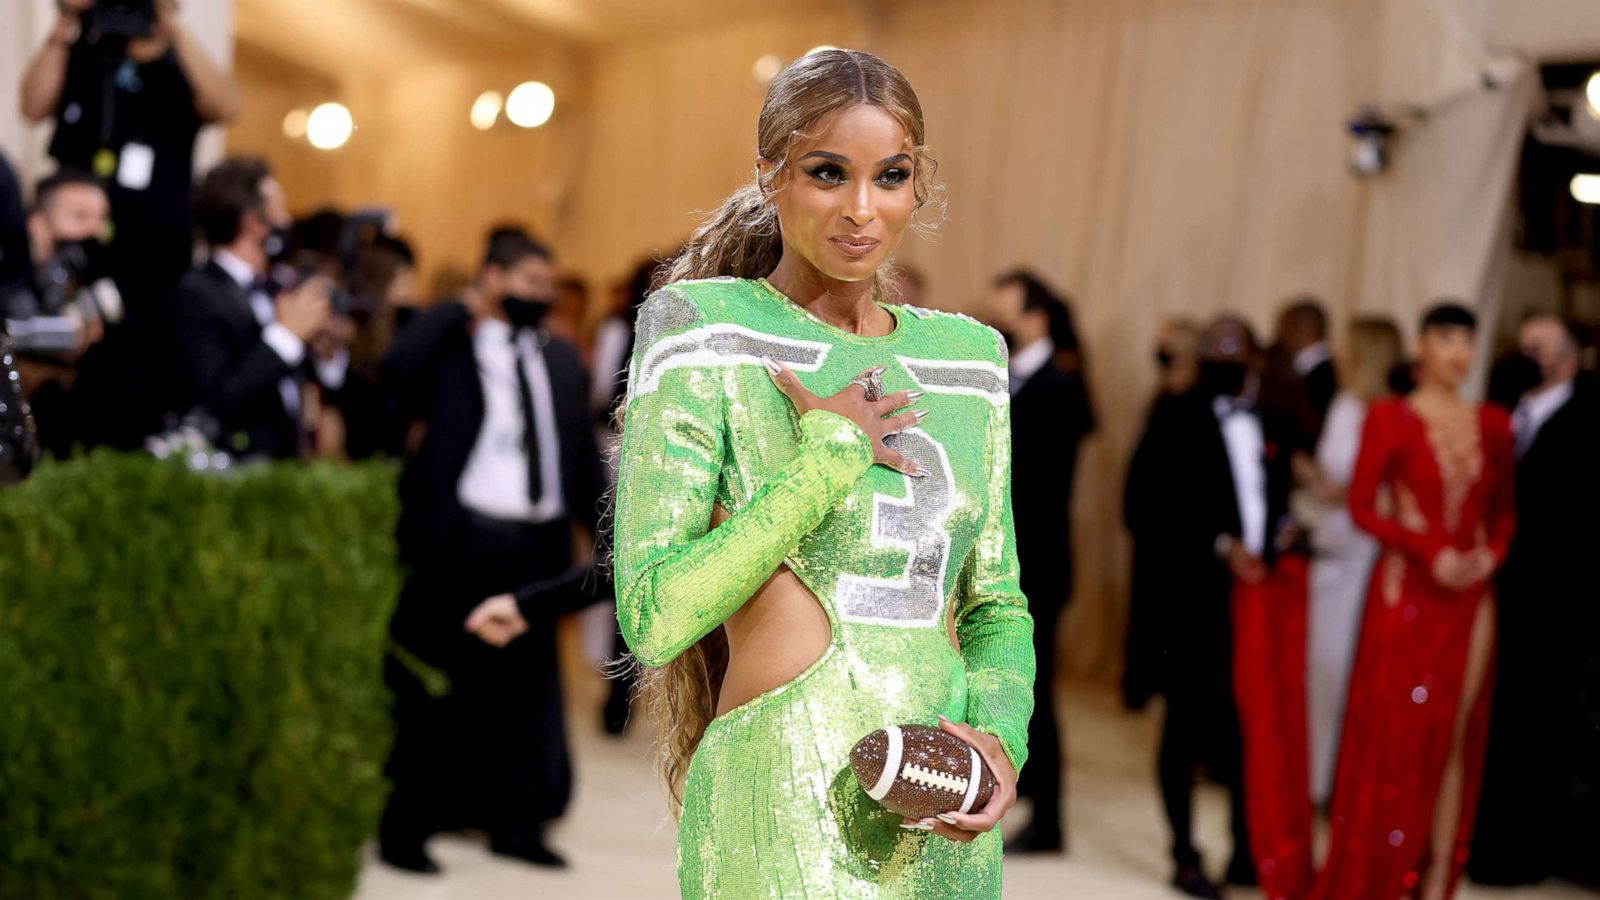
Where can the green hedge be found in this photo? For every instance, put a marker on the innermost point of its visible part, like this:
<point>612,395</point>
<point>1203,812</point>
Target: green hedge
<point>191,699</point>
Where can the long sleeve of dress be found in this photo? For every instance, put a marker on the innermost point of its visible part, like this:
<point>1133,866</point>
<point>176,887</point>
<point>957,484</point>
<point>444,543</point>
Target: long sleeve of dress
<point>677,578</point>
<point>1375,467</point>
<point>992,621</point>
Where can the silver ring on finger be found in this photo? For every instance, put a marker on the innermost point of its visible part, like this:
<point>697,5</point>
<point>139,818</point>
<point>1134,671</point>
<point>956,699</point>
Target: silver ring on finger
<point>871,383</point>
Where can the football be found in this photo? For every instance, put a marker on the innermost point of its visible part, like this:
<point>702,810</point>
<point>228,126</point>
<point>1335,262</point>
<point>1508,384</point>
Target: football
<point>919,771</point>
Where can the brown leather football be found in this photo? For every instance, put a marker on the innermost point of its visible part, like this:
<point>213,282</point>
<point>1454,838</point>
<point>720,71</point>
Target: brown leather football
<point>919,771</point>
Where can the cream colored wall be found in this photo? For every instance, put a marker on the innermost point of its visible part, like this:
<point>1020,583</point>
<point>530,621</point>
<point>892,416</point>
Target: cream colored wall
<point>415,151</point>
<point>672,132</point>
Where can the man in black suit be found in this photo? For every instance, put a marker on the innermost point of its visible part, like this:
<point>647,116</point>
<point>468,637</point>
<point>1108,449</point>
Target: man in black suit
<point>507,465</point>
<point>1541,743</point>
<point>1050,415</point>
<point>1299,381</point>
<point>247,348</point>
<point>1207,503</point>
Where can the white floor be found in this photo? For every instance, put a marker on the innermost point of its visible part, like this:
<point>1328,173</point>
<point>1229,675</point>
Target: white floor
<point>619,839</point>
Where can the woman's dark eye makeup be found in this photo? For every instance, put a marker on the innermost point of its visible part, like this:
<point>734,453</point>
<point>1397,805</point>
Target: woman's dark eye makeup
<point>831,174</point>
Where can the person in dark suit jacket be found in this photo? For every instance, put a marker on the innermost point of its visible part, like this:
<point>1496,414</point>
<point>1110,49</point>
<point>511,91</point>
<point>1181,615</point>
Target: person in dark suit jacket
<point>1207,503</point>
<point>244,352</point>
<point>507,464</point>
<point>1298,381</point>
<point>1050,415</point>
<point>1542,744</point>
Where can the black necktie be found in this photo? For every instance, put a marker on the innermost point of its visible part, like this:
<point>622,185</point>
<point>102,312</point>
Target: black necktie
<point>530,434</point>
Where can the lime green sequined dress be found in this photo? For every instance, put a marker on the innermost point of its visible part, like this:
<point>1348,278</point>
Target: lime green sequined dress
<point>771,807</point>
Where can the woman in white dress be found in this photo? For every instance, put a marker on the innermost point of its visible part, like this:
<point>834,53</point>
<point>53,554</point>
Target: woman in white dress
<point>1343,555</point>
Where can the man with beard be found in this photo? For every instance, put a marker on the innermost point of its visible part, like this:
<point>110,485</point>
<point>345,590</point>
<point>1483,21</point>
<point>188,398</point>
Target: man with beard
<point>487,507</point>
<point>246,347</point>
<point>1206,502</point>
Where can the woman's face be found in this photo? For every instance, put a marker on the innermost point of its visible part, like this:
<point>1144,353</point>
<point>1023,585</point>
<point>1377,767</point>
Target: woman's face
<point>845,197</point>
<point>1444,354</point>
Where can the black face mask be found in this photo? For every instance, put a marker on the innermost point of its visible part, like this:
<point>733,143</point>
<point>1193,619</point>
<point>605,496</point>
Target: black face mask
<point>1223,377</point>
<point>279,245</point>
<point>1164,358</point>
<point>83,261</point>
<point>525,312</point>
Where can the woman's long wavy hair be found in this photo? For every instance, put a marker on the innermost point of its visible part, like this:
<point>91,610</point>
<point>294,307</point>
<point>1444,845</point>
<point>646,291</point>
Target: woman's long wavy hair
<point>742,239</point>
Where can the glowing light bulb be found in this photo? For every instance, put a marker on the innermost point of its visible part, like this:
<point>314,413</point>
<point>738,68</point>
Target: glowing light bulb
<point>766,68</point>
<point>531,104</point>
<point>1586,189</point>
<point>294,124</point>
<point>485,110</point>
<point>1593,91</point>
<point>329,126</point>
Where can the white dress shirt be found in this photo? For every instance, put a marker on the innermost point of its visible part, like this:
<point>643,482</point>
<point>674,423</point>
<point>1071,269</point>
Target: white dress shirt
<point>495,481</point>
<point>1241,432</point>
<point>1535,409</point>
<point>1311,357</point>
<point>1028,361</point>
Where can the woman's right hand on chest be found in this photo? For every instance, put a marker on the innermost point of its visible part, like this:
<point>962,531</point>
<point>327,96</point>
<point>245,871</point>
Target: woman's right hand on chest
<point>877,418</point>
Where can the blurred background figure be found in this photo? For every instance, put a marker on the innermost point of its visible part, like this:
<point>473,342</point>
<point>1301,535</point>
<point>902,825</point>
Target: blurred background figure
<point>384,290</point>
<point>248,345</point>
<point>127,96</point>
<point>1050,416</point>
<point>613,347</point>
<point>1342,555</point>
<point>911,286</point>
<point>1298,379</point>
<point>1531,823</point>
<point>1177,357</point>
<point>1411,757</point>
<point>1207,494</point>
<point>57,306</point>
<point>508,463</point>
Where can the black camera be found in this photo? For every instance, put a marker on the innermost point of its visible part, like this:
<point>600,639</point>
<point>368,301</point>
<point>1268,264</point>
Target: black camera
<point>123,18</point>
<point>71,290</point>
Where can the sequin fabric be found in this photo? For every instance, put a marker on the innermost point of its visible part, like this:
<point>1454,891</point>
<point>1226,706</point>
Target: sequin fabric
<point>771,806</point>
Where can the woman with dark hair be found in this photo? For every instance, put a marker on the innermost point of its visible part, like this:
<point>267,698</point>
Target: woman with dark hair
<point>802,555</point>
<point>1432,484</point>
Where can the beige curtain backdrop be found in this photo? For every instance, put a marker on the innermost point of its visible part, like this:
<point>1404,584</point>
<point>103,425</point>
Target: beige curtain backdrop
<point>1153,158</point>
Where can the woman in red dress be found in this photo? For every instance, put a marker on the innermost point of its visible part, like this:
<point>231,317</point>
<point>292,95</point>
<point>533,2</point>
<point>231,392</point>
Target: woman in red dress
<point>1433,485</point>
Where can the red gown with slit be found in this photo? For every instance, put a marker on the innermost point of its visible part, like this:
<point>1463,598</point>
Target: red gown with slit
<point>1418,488</point>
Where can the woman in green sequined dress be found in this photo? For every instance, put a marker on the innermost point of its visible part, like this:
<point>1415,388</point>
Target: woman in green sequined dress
<point>813,520</point>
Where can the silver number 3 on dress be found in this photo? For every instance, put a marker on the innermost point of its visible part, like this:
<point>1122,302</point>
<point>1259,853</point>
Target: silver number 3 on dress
<point>915,524</point>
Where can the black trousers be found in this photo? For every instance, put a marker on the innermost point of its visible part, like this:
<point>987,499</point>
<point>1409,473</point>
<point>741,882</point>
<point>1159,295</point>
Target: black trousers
<point>1041,780</point>
<point>492,752</point>
<point>1201,731</point>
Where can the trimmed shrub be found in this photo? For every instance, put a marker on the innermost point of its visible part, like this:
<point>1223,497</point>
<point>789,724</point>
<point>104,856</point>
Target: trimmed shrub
<point>191,694</point>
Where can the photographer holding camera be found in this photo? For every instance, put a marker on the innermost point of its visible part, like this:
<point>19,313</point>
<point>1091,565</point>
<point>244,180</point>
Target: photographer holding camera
<point>128,88</point>
<point>56,306</point>
<point>248,346</point>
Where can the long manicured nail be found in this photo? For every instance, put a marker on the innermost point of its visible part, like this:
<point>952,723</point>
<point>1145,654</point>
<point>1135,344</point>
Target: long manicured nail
<point>920,414</point>
<point>945,719</point>
<point>917,826</point>
<point>876,371</point>
<point>946,818</point>
<point>913,396</point>
<point>917,471</point>
<point>771,365</point>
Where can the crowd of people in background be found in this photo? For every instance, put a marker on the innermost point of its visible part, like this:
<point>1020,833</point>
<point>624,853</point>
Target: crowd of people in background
<point>276,338</point>
<point>1398,493</point>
